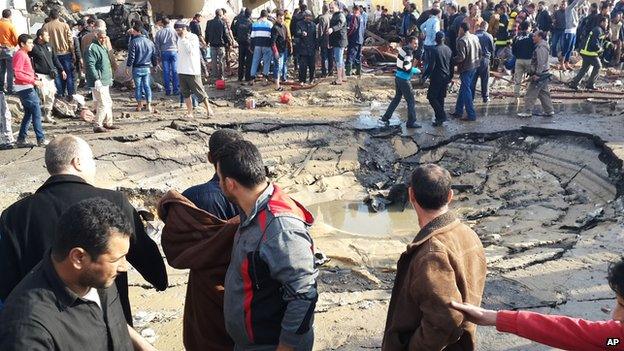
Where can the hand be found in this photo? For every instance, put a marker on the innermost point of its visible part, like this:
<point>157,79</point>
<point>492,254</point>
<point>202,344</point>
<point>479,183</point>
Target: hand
<point>38,83</point>
<point>476,314</point>
<point>330,31</point>
<point>277,56</point>
<point>282,347</point>
<point>127,71</point>
<point>64,75</point>
<point>305,34</point>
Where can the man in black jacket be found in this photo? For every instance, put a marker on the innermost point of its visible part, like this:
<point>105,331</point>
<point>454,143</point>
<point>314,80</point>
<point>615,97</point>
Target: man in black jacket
<point>306,33</point>
<point>28,225</point>
<point>217,37</point>
<point>241,28</point>
<point>439,68</point>
<point>279,47</point>
<point>47,67</point>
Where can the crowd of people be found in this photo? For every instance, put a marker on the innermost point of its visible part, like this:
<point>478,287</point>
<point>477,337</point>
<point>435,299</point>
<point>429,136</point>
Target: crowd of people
<point>65,249</point>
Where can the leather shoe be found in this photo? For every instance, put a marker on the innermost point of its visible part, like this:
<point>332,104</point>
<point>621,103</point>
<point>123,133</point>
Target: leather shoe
<point>99,129</point>
<point>111,126</point>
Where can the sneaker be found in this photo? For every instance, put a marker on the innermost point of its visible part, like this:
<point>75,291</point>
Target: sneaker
<point>412,126</point>
<point>42,142</point>
<point>99,129</point>
<point>591,87</point>
<point>454,115</point>
<point>384,122</point>
<point>7,146</point>
<point>524,114</point>
<point>549,114</point>
<point>438,124</point>
<point>111,126</point>
<point>486,100</point>
<point>21,143</point>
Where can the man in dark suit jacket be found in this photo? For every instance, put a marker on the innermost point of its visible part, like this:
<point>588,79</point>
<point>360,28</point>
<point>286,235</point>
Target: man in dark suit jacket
<point>27,227</point>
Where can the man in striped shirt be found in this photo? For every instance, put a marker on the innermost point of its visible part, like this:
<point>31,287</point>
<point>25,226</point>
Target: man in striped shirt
<point>261,42</point>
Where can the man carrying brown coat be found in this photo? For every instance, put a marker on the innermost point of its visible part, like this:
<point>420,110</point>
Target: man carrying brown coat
<point>444,263</point>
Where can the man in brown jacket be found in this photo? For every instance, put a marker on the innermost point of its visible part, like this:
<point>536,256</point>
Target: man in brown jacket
<point>444,263</point>
<point>62,42</point>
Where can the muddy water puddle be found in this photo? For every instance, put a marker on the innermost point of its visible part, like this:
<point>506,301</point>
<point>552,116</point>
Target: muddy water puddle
<point>349,218</point>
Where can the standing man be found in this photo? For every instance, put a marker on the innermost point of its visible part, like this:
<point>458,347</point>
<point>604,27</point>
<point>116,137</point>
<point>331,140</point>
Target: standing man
<point>195,28</point>
<point>522,48</point>
<point>430,29</point>
<point>28,225</point>
<point>141,59</point>
<point>166,42</point>
<point>502,33</point>
<point>558,29</point>
<point>355,39</point>
<point>99,75</point>
<point>440,69</point>
<point>338,40</point>
<point>543,19</point>
<point>63,44</point>
<point>403,85</point>
<point>468,59</point>
<point>47,67</point>
<point>323,37</point>
<point>306,32</point>
<point>444,263</point>
<point>189,70</point>
<point>72,288</point>
<point>615,35</point>
<point>218,38</point>
<point>8,43</point>
<point>270,284</point>
<point>261,43</point>
<point>591,52</point>
<point>25,83</point>
<point>540,76</point>
<point>279,47</point>
<point>569,36</point>
<point>241,28</point>
<point>486,43</point>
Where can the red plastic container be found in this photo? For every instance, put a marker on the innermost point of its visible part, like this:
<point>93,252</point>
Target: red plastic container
<point>220,84</point>
<point>285,98</point>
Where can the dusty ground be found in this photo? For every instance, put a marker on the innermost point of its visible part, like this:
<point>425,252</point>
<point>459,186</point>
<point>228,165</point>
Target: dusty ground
<point>543,195</point>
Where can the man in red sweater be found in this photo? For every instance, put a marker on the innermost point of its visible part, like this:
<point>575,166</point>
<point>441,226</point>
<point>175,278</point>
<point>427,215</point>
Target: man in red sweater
<point>25,82</point>
<point>562,332</point>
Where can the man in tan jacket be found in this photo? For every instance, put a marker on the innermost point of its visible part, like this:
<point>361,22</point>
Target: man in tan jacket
<point>62,43</point>
<point>444,263</point>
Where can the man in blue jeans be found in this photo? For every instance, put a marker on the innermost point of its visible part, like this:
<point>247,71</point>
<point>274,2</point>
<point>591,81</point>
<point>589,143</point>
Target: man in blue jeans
<point>62,43</point>
<point>403,85</point>
<point>261,42</point>
<point>483,71</point>
<point>141,57</point>
<point>468,58</point>
<point>166,44</point>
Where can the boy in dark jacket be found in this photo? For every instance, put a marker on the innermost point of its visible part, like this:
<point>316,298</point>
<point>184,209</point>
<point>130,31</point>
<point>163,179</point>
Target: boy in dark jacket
<point>355,37</point>
<point>279,47</point>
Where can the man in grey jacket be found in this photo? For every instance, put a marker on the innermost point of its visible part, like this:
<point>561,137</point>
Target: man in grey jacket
<point>270,284</point>
<point>540,76</point>
<point>468,58</point>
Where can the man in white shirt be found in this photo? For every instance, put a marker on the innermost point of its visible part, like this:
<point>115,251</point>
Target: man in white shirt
<point>189,69</point>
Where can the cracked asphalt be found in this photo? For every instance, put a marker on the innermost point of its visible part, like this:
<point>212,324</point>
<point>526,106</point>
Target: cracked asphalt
<point>542,193</point>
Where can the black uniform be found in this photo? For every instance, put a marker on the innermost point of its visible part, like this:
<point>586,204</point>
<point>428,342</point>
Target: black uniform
<point>441,71</point>
<point>307,49</point>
